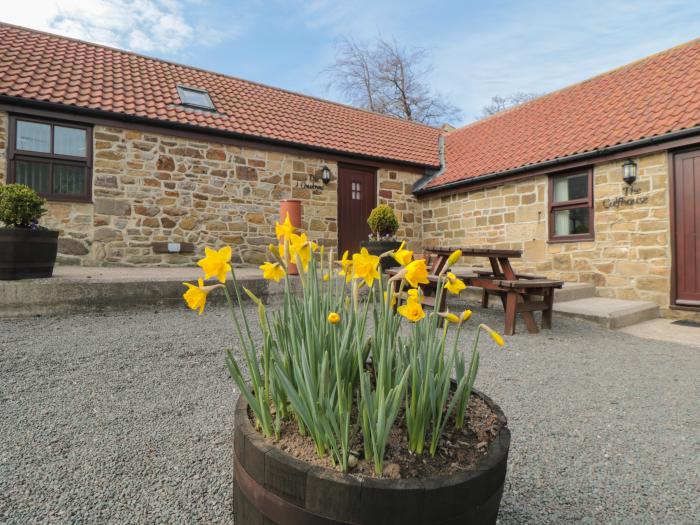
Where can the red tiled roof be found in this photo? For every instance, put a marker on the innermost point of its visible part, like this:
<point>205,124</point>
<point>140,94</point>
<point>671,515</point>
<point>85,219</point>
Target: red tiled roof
<point>45,67</point>
<point>654,96</point>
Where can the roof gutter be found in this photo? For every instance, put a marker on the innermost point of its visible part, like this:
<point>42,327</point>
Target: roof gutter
<point>166,124</point>
<point>650,141</point>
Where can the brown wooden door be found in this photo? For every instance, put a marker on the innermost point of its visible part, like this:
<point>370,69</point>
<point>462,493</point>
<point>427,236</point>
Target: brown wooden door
<point>687,228</point>
<point>357,195</point>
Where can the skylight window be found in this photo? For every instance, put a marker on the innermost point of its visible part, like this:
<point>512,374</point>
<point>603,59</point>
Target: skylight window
<point>194,97</point>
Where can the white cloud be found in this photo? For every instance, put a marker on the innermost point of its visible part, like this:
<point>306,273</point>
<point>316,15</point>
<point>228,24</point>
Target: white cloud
<point>150,26</point>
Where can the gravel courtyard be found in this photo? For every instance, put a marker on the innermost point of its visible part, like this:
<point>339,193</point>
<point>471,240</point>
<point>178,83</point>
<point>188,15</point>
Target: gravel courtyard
<point>127,418</point>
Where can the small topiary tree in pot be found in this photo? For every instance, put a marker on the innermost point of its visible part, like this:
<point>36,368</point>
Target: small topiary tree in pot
<point>383,225</point>
<point>26,249</point>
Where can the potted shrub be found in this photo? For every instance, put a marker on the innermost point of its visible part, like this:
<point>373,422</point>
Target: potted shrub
<point>26,249</point>
<point>345,421</point>
<point>383,225</point>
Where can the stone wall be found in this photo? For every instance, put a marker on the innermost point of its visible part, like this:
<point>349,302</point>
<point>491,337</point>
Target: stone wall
<point>630,257</point>
<point>150,187</point>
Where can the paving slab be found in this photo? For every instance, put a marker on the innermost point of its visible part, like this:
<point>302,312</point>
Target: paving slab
<point>665,330</point>
<point>611,313</point>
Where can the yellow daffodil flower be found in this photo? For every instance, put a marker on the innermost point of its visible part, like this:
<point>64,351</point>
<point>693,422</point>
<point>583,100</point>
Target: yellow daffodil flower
<point>403,256</point>
<point>284,230</point>
<point>412,311</point>
<point>453,284</point>
<point>453,258</point>
<point>451,317</point>
<point>300,247</point>
<point>417,273</point>
<point>326,277</point>
<point>216,263</point>
<point>393,299</point>
<point>414,296</point>
<point>365,266</point>
<point>466,314</point>
<point>345,267</point>
<point>272,271</point>
<point>494,335</point>
<point>196,296</point>
<point>333,318</point>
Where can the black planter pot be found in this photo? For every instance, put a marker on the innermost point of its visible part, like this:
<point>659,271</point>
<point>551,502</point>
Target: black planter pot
<point>272,487</point>
<point>380,247</point>
<point>27,254</point>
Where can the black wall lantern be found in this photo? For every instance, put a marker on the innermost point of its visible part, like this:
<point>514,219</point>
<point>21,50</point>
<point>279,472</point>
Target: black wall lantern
<point>326,174</point>
<point>629,172</point>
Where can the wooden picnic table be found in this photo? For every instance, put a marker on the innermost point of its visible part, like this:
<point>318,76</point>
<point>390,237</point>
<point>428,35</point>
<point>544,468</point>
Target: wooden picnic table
<point>519,293</point>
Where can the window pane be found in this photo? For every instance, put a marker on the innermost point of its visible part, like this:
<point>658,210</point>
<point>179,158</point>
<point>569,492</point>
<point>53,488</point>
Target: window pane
<point>69,141</point>
<point>68,180</point>
<point>196,98</point>
<point>33,136</point>
<point>571,222</point>
<point>571,187</point>
<point>33,174</point>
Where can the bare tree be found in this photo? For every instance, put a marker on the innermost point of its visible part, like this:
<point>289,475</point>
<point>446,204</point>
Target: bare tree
<point>499,104</point>
<point>389,79</point>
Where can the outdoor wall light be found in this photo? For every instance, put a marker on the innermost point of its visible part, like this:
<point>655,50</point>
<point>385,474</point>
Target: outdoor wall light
<point>629,172</point>
<point>326,174</point>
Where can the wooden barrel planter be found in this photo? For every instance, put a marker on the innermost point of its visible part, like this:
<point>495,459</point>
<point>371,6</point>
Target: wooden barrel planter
<point>272,487</point>
<point>27,254</point>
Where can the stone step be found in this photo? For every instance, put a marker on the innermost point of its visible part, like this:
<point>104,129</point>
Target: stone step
<point>610,313</point>
<point>75,289</point>
<point>574,291</point>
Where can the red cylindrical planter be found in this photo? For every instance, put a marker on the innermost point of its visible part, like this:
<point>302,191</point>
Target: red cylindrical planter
<point>291,207</point>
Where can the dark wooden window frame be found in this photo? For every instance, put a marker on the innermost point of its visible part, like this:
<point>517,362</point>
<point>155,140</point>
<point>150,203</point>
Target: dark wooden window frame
<point>588,202</point>
<point>14,155</point>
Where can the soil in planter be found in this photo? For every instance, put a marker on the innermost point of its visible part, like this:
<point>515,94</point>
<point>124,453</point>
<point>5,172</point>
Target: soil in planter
<point>459,449</point>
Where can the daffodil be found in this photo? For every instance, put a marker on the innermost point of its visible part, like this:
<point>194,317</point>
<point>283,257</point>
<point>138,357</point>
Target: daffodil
<point>451,317</point>
<point>466,315</point>
<point>393,299</point>
<point>345,266</point>
<point>272,271</point>
<point>300,247</point>
<point>453,284</point>
<point>414,296</point>
<point>365,266</point>
<point>417,273</point>
<point>333,317</point>
<point>412,311</point>
<point>284,230</point>
<point>403,256</point>
<point>494,335</point>
<point>196,296</point>
<point>453,258</point>
<point>326,277</point>
<point>216,263</point>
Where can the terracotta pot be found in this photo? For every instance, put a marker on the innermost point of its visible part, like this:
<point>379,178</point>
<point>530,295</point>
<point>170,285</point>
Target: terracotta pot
<point>291,207</point>
<point>270,486</point>
<point>27,254</point>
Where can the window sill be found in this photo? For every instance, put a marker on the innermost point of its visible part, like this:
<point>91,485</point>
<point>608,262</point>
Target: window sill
<point>561,240</point>
<point>77,200</point>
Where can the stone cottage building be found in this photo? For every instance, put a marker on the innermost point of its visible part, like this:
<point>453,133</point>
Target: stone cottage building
<point>598,182</point>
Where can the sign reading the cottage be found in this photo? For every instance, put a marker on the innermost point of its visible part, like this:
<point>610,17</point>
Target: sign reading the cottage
<point>309,184</point>
<point>631,197</point>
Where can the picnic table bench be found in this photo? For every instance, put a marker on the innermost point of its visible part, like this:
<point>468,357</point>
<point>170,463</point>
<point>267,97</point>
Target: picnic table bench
<point>520,293</point>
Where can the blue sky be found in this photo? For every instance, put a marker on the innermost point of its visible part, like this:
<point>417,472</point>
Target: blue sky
<point>479,49</point>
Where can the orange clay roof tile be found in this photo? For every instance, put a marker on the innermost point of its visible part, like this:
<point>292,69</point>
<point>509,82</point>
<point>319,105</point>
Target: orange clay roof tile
<point>651,97</point>
<point>41,66</point>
